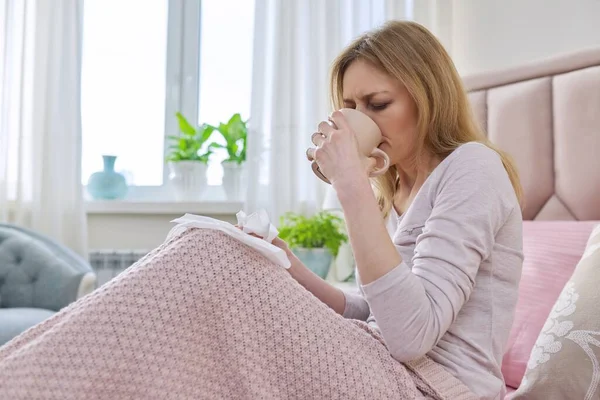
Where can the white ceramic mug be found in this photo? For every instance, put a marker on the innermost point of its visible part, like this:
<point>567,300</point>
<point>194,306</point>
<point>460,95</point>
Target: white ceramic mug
<point>368,137</point>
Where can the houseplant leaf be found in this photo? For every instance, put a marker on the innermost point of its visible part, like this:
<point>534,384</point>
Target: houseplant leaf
<point>184,125</point>
<point>205,132</point>
<point>322,230</point>
<point>188,144</point>
<point>234,131</point>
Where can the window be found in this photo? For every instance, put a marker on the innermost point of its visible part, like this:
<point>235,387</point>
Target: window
<point>123,87</point>
<point>225,84</point>
<point>144,61</point>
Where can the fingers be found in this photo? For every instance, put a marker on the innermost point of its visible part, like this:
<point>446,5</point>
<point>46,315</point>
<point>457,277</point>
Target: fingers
<point>326,132</point>
<point>317,138</point>
<point>249,233</point>
<point>326,128</point>
<point>339,119</point>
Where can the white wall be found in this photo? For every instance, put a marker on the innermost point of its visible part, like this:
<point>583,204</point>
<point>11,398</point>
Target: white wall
<point>485,34</point>
<point>492,34</point>
<point>132,231</point>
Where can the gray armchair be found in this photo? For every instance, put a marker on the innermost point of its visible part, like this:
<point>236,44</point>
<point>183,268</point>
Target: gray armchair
<point>38,277</point>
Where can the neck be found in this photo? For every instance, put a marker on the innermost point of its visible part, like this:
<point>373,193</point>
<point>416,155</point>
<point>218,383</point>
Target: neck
<point>411,177</point>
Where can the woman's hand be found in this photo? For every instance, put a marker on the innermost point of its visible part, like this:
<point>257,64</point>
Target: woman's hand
<point>337,153</point>
<point>324,291</point>
<point>278,242</point>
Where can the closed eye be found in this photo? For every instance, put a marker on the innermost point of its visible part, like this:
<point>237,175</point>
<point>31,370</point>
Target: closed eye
<point>378,107</point>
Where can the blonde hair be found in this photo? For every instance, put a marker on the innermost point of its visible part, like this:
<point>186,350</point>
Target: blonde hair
<point>410,53</point>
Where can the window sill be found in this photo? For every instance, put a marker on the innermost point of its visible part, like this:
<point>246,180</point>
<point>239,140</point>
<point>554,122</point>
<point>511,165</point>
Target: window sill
<point>162,207</point>
<point>157,200</point>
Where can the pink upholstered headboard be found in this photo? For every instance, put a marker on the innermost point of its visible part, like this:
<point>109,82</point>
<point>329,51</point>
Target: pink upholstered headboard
<point>547,116</point>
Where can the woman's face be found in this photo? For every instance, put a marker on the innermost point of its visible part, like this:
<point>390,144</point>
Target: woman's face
<point>388,103</point>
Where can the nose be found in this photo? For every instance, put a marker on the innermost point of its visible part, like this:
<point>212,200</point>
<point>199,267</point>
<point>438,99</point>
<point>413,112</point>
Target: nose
<point>361,109</point>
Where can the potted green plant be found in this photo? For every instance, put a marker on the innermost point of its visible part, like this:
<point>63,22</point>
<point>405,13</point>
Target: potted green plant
<point>187,156</point>
<point>314,240</point>
<point>234,132</point>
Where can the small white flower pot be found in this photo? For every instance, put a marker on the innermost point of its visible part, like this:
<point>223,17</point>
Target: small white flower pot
<point>188,179</point>
<point>232,180</point>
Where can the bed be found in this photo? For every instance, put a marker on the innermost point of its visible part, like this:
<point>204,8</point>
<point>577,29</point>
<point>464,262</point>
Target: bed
<point>546,115</point>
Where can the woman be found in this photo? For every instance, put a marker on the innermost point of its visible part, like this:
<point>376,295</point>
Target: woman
<point>204,316</point>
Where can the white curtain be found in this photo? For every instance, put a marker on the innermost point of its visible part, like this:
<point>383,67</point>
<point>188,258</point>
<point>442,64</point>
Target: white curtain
<point>294,45</point>
<point>40,119</point>
<point>437,16</point>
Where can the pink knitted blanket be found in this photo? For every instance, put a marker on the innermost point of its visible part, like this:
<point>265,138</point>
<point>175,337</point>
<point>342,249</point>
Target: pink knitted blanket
<point>206,317</point>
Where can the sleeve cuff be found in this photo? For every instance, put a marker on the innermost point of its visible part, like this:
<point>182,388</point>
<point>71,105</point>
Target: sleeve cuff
<point>356,307</point>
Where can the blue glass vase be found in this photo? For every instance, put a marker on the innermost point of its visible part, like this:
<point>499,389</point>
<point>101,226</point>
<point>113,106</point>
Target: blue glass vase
<point>107,184</point>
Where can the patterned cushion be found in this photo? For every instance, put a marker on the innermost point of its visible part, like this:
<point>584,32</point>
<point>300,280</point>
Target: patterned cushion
<point>552,250</point>
<point>565,360</point>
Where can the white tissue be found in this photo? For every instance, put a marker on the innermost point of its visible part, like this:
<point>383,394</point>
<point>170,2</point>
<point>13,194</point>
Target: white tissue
<point>251,224</point>
<point>257,223</point>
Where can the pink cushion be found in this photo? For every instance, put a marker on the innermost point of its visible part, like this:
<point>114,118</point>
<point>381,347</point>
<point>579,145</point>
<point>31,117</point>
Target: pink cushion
<point>552,250</point>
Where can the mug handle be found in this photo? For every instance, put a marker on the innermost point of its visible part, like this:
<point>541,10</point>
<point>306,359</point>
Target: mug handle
<point>386,162</point>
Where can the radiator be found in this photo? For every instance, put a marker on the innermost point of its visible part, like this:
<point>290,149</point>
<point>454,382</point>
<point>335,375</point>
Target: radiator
<point>109,263</point>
